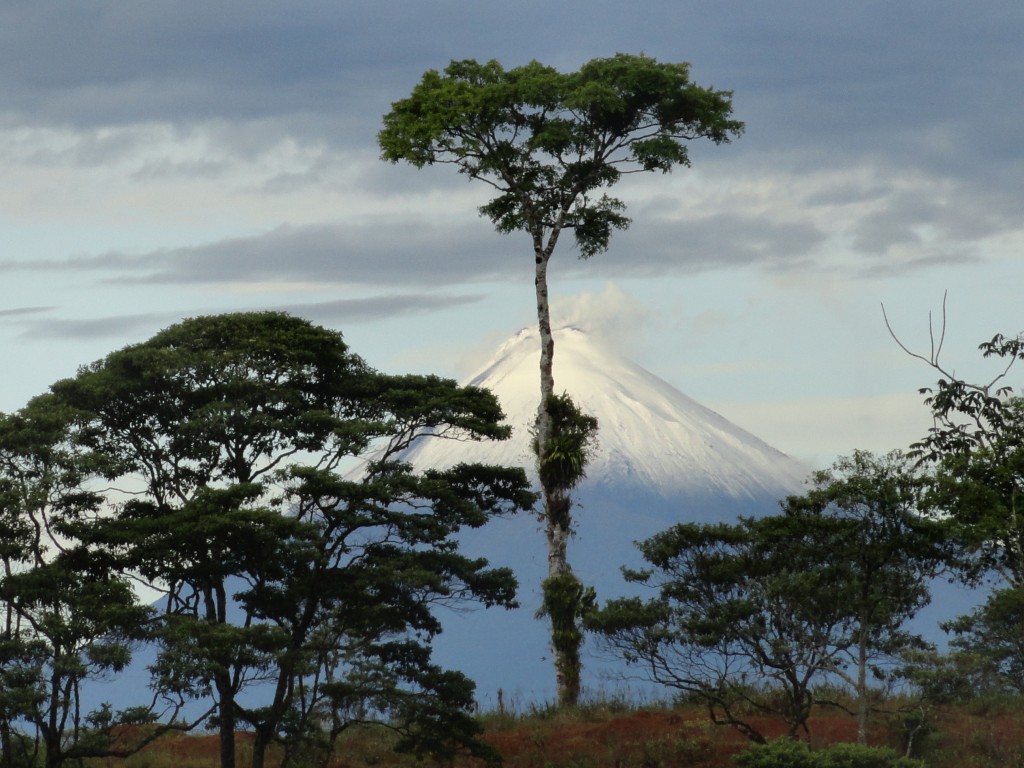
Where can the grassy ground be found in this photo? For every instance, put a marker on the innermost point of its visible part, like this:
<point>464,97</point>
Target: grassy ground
<point>615,736</point>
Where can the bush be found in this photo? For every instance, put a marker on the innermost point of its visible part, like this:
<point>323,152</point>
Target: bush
<point>857,756</point>
<point>789,753</point>
<point>782,753</point>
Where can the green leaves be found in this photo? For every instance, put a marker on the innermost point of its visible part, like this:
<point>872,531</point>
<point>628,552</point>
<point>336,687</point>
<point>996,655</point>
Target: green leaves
<point>548,142</point>
<point>571,438</point>
<point>789,753</point>
<point>753,614</point>
<point>567,603</point>
<point>226,433</point>
<point>224,396</point>
<point>989,644</point>
<point>979,486</point>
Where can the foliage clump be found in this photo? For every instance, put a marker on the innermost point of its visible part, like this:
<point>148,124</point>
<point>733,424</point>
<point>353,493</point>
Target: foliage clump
<point>751,618</point>
<point>276,568</point>
<point>791,753</point>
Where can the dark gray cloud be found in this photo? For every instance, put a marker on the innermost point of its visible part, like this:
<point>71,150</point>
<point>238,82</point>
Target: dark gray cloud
<point>725,240</point>
<point>927,257</point>
<point>390,251</point>
<point>415,253</point>
<point>379,253</point>
<point>141,325</point>
<point>916,220</point>
<point>96,63</point>
<point>932,87</point>
<point>375,308</point>
<point>847,76</point>
<point>331,67</point>
<point>115,326</point>
<point>23,311</point>
<point>393,251</point>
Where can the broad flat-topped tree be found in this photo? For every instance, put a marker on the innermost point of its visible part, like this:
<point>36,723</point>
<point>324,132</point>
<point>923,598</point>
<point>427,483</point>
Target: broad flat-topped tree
<point>551,144</point>
<point>277,568</point>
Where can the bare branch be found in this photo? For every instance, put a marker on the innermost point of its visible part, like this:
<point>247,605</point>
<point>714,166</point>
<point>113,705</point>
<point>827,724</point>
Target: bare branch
<point>936,350</point>
<point>933,358</point>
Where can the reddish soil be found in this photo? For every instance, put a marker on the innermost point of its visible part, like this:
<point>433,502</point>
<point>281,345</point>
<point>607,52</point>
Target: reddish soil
<point>647,739</point>
<point>680,738</point>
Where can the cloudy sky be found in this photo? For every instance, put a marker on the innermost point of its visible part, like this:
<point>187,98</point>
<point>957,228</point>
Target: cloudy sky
<point>166,159</point>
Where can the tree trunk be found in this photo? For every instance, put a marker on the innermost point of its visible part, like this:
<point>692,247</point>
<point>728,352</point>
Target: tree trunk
<point>547,353</point>
<point>862,691</point>
<point>51,730</point>
<point>54,758</point>
<point>226,720</point>
<point>215,599</point>
<point>264,730</point>
<point>557,507</point>
<point>260,743</point>
<point>7,749</point>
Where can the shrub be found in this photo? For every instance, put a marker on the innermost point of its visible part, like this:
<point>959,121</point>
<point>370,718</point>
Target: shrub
<point>858,756</point>
<point>789,753</point>
<point>781,753</point>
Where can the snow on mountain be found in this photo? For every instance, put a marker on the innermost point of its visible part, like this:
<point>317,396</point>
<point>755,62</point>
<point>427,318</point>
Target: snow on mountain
<point>662,458</point>
<point>650,435</point>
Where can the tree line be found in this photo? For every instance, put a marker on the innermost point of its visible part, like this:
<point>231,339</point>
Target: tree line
<point>246,470</point>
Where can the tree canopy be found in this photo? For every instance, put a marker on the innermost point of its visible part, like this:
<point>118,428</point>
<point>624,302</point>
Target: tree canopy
<point>256,480</point>
<point>548,141</point>
<point>751,617</point>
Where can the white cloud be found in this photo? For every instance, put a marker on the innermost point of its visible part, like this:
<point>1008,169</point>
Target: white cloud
<point>613,316</point>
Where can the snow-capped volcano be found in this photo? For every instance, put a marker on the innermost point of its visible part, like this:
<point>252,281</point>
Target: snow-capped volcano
<point>661,459</point>
<point>650,435</point>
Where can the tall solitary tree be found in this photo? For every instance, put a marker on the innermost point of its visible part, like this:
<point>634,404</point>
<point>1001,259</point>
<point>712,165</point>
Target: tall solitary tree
<point>550,144</point>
